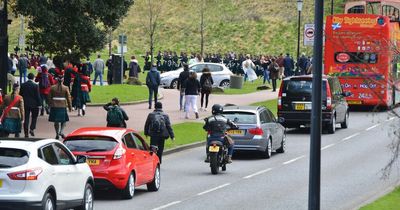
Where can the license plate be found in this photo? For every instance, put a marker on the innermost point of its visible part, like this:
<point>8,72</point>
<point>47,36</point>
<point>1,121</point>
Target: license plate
<point>299,107</point>
<point>236,132</point>
<point>93,162</point>
<point>354,102</point>
<point>213,149</point>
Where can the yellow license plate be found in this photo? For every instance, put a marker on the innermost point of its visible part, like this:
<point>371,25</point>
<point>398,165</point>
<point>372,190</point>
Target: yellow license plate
<point>354,102</point>
<point>1,183</point>
<point>236,132</point>
<point>93,162</point>
<point>213,149</point>
<point>299,107</point>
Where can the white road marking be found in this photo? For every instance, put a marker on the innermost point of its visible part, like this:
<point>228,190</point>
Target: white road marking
<point>213,189</point>
<point>327,146</point>
<point>167,205</point>
<point>293,160</point>
<point>257,173</point>
<point>372,127</point>
<point>390,119</point>
<point>352,136</point>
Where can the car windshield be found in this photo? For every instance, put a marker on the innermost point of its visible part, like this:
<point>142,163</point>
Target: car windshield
<point>10,157</point>
<point>241,117</point>
<point>90,143</point>
<point>301,88</point>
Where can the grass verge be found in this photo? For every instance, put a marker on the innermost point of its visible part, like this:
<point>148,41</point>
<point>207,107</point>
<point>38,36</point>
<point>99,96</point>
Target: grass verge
<point>390,201</point>
<point>125,93</point>
<point>185,133</point>
<point>248,87</point>
<point>270,104</point>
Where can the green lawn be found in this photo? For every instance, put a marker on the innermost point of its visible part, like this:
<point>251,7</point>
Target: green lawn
<point>390,201</point>
<point>270,104</point>
<point>125,93</point>
<point>249,87</point>
<point>185,133</point>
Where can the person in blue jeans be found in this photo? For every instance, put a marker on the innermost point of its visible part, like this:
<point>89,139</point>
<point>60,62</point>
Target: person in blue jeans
<point>152,82</point>
<point>216,126</point>
<point>23,68</point>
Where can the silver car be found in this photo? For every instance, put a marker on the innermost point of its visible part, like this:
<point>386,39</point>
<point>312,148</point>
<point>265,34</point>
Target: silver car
<point>258,130</point>
<point>219,72</point>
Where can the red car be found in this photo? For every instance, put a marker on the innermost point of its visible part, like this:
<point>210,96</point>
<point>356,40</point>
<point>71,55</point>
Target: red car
<point>118,157</point>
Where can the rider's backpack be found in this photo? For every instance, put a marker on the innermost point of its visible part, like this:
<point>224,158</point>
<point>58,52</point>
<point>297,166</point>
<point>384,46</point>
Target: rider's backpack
<point>157,125</point>
<point>114,116</point>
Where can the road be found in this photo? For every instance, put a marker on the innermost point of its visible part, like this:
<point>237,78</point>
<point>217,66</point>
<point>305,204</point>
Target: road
<point>352,160</point>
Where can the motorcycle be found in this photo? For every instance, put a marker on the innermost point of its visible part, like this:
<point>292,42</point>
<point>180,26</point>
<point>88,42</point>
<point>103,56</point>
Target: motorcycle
<point>218,153</point>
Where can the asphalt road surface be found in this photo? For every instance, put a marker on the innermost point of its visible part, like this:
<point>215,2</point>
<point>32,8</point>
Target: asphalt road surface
<point>352,163</point>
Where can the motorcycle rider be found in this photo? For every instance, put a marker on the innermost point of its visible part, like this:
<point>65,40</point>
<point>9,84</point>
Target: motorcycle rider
<point>216,126</point>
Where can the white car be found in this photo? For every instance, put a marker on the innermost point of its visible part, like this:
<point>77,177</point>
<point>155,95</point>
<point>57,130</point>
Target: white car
<point>43,174</point>
<point>219,72</point>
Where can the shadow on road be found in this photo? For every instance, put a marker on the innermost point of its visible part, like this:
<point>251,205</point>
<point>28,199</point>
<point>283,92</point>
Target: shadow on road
<point>113,194</point>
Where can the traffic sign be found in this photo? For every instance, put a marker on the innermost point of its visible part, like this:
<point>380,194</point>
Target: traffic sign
<point>308,35</point>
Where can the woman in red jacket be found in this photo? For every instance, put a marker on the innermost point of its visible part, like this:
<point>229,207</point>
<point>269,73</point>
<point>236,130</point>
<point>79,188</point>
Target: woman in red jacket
<point>45,80</point>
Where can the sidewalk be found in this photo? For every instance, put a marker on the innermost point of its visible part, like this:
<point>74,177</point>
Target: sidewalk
<point>96,116</point>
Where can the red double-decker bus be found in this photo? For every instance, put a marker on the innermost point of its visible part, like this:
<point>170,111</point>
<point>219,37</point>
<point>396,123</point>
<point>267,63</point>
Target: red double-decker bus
<point>362,49</point>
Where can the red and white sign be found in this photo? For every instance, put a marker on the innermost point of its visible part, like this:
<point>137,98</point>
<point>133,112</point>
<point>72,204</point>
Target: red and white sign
<point>342,57</point>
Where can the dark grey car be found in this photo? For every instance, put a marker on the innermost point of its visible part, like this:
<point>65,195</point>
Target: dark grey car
<point>258,130</point>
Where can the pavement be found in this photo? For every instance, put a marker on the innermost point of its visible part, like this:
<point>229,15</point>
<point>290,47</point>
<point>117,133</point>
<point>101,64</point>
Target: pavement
<point>351,174</point>
<point>96,116</point>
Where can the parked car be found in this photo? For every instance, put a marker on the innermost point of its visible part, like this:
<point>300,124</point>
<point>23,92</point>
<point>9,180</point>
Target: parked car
<point>258,130</point>
<point>43,174</point>
<point>118,157</point>
<point>219,72</point>
<point>294,102</point>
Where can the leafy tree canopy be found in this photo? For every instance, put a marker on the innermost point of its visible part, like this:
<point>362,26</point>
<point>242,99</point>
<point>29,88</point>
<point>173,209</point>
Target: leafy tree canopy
<point>57,26</point>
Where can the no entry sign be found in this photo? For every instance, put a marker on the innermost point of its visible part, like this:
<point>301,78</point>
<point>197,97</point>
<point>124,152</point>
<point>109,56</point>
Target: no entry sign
<point>308,35</point>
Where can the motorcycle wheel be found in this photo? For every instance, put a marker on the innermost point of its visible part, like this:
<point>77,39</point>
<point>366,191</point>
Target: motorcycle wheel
<point>214,163</point>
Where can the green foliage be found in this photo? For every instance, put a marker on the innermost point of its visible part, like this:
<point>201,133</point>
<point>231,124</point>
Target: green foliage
<point>77,25</point>
<point>390,201</point>
<point>125,93</point>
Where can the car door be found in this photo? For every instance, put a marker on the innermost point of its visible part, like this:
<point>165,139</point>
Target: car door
<point>279,129</point>
<point>198,68</point>
<point>339,100</point>
<point>148,159</point>
<point>217,74</point>
<point>135,158</point>
<point>76,178</point>
<point>264,124</point>
<point>271,127</point>
<point>59,175</point>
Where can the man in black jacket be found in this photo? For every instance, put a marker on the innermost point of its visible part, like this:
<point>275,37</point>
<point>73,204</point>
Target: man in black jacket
<point>158,127</point>
<point>30,93</point>
<point>183,76</point>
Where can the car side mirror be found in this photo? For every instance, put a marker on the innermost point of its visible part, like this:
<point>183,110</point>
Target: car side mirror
<point>81,159</point>
<point>281,120</point>
<point>346,94</point>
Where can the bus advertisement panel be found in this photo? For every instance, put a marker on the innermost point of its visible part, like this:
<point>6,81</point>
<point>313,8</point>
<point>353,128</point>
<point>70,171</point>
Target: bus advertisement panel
<point>360,49</point>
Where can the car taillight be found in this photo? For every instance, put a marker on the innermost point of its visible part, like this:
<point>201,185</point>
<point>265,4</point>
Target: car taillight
<point>30,174</point>
<point>256,131</point>
<point>280,97</point>
<point>119,153</point>
<point>328,98</point>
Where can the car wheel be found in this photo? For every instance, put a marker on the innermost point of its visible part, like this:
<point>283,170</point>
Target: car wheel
<point>225,83</point>
<point>174,84</point>
<point>129,190</point>
<point>345,124</point>
<point>268,151</point>
<point>282,149</point>
<point>332,125</point>
<point>48,202</point>
<point>87,199</point>
<point>155,184</point>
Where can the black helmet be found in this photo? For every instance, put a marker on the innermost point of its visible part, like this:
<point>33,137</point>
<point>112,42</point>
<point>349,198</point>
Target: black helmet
<point>217,109</point>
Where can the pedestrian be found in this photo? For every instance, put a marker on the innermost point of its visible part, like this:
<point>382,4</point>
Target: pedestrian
<point>32,102</point>
<point>43,59</point>
<point>50,64</point>
<point>76,91</point>
<point>68,74</point>
<point>89,67</point>
<point>45,80</point>
<point>86,88</point>
<point>183,76</point>
<point>60,100</point>
<point>116,116</point>
<point>134,68</point>
<point>13,112</point>
<point>98,67</point>
<point>264,65</point>
<point>152,82</point>
<point>14,64</point>
<point>248,68</point>
<point>274,73</point>
<point>302,64</point>
<point>192,90</point>
<point>23,64</point>
<point>110,70</point>
<point>158,127</point>
<point>288,65</point>
<point>279,61</point>
<point>206,84</point>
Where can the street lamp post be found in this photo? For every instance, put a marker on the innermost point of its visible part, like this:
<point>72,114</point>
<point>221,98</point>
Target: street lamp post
<point>3,45</point>
<point>299,8</point>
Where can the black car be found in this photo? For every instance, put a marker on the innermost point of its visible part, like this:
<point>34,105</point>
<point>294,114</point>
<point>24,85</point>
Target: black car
<point>294,102</point>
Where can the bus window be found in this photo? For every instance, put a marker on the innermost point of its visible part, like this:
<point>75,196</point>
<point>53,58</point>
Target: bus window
<point>356,57</point>
<point>392,12</point>
<point>359,9</point>
<point>373,8</point>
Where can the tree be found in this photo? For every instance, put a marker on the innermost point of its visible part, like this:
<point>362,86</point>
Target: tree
<point>154,12</point>
<point>59,26</point>
<point>202,10</point>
